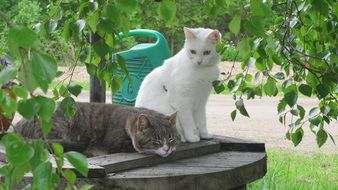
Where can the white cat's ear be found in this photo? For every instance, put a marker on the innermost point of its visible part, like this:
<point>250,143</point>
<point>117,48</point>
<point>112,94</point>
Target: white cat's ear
<point>189,34</point>
<point>142,122</point>
<point>172,118</point>
<point>215,36</point>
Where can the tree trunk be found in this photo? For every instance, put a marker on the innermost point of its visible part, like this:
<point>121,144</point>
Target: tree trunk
<point>97,86</point>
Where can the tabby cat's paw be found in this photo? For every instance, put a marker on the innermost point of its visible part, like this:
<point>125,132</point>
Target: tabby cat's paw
<point>192,138</point>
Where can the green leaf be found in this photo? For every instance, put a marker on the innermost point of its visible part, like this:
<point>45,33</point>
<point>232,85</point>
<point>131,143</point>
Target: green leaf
<point>20,170</point>
<point>28,108</point>
<point>255,25</point>
<point>17,151</point>
<point>297,136</point>
<point>101,48</point>
<point>279,76</point>
<point>220,47</point>
<point>41,154</point>
<point>233,115</point>
<point>46,126</point>
<point>281,106</point>
<point>167,10</point>
<point>26,77</point>
<point>235,24</point>
<point>240,106</point>
<point>322,90</point>
<point>74,89</point>
<point>111,12</point>
<point>93,20</point>
<point>218,86</point>
<point>122,63</point>
<point>6,75</point>
<point>332,139</point>
<point>294,112</point>
<point>57,149</point>
<point>64,91</point>
<point>321,137</point>
<point>20,92</point>
<point>91,69</point>
<point>44,69</point>
<point>79,161</point>
<point>20,38</point>
<point>70,176</point>
<point>86,187</point>
<point>270,87</point>
<point>47,107</point>
<point>305,89</point>
<point>314,112</point>
<point>116,84</point>
<point>301,111</point>
<point>260,9</point>
<point>42,177</point>
<point>127,5</point>
<point>291,98</point>
<point>67,105</point>
<point>244,47</point>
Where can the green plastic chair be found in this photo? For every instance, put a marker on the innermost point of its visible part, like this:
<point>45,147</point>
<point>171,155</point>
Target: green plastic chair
<point>140,60</point>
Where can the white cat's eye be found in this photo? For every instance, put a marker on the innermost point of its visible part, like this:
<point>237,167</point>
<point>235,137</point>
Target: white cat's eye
<point>192,51</point>
<point>206,52</point>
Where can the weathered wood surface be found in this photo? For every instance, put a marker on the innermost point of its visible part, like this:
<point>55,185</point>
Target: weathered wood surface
<point>223,170</point>
<point>3,157</point>
<point>125,161</point>
<point>234,144</point>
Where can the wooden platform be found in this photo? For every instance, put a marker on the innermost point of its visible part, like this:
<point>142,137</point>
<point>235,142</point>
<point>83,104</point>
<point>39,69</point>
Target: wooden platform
<point>221,163</point>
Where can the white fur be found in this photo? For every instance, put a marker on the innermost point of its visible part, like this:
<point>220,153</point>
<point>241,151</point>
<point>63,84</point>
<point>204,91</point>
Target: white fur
<point>183,84</point>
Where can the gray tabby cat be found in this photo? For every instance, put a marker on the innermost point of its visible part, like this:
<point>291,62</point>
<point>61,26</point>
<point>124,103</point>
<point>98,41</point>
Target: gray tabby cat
<point>109,128</point>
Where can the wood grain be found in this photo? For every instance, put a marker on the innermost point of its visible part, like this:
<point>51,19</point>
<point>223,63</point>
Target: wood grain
<point>125,161</point>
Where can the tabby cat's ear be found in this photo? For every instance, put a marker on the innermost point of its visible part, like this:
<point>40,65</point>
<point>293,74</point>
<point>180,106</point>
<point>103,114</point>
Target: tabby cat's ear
<point>142,122</point>
<point>172,118</point>
<point>215,36</point>
<point>189,34</point>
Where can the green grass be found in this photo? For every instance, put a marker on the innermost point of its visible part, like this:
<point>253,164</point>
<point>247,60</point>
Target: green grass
<point>296,171</point>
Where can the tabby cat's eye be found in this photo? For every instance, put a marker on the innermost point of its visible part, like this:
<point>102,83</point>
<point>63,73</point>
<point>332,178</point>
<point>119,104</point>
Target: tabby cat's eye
<point>206,52</point>
<point>158,142</point>
<point>192,51</point>
<point>171,140</point>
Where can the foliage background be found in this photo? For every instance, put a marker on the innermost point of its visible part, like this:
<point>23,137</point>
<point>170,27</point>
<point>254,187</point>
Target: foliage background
<point>299,37</point>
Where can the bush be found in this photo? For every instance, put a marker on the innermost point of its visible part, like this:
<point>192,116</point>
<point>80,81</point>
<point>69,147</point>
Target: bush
<point>231,54</point>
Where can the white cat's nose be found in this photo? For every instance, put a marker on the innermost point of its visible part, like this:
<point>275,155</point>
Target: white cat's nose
<point>199,62</point>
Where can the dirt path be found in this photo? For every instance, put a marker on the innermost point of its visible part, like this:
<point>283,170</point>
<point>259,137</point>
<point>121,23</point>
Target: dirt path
<point>262,125</point>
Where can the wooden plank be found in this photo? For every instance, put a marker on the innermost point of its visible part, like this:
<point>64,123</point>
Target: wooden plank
<point>239,145</point>
<point>211,163</point>
<point>125,161</point>
<point>3,157</point>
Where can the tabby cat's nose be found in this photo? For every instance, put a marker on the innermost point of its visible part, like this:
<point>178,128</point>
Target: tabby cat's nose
<point>166,148</point>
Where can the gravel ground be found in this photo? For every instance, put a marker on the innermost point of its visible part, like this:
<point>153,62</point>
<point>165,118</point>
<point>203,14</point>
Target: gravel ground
<point>262,126</point>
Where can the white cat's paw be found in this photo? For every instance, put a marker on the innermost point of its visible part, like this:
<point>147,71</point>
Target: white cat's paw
<point>183,139</point>
<point>192,138</point>
<point>206,136</point>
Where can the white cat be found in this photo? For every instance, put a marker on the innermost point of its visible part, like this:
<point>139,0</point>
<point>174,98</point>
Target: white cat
<point>183,83</point>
